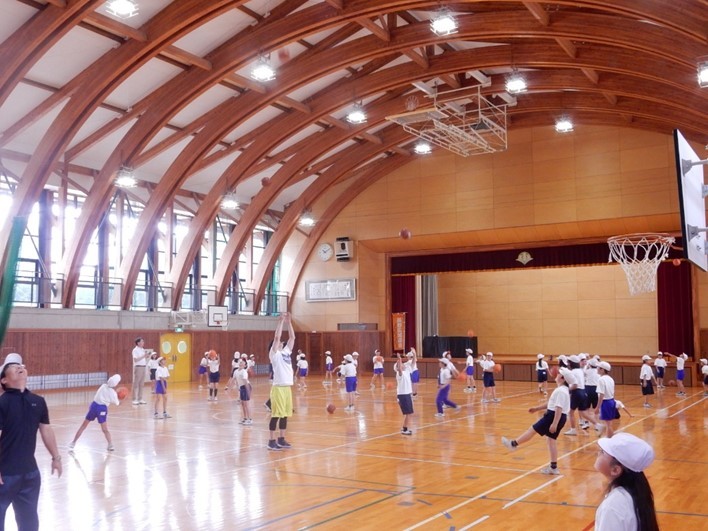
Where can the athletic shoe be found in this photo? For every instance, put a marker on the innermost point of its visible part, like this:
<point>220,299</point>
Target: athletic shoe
<point>216,399</point>
<point>110,448</point>
<point>647,405</point>
<point>496,400</point>
<point>273,446</point>
<point>585,426</point>
<point>166,416</point>
<point>226,388</point>
<point>142,402</point>
<point>474,389</point>
<point>406,432</point>
<point>439,415</point>
<point>201,387</point>
<point>506,442</point>
<point>156,416</point>
<point>266,406</point>
<point>282,443</point>
<point>571,431</point>
<point>248,422</point>
<point>599,428</point>
<point>550,471</point>
<point>135,402</point>
<point>242,421</point>
<point>210,399</point>
<point>458,408</point>
<point>71,446</point>
<point>484,401</point>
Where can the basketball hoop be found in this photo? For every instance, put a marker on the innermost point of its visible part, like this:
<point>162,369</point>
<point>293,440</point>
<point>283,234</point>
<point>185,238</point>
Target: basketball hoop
<point>223,324</point>
<point>640,255</point>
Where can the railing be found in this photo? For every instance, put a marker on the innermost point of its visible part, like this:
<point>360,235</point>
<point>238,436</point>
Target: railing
<point>37,292</point>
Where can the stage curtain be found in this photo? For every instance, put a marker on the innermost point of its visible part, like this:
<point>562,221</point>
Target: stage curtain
<point>403,300</point>
<point>675,308</point>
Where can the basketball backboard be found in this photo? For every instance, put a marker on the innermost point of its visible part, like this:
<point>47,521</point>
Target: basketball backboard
<point>217,315</point>
<point>689,170</point>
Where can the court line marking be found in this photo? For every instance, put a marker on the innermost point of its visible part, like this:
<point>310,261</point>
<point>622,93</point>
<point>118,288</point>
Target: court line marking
<point>477,521</point>
<point>687,407</point>
<point>529,493</point>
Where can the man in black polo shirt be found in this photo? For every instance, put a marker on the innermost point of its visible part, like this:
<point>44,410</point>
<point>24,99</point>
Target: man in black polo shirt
<point>22,413</point>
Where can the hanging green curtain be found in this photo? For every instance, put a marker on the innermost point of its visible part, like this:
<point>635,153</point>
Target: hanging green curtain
<point>7,287</point>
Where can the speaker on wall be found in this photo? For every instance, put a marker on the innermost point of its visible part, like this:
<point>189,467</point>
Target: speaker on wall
<point>343,249</point>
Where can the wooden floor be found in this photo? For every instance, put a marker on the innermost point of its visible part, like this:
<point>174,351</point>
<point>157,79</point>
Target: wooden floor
<point>202,470</point>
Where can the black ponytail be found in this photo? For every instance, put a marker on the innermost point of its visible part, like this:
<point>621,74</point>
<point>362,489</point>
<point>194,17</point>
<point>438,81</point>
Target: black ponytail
<point>637,485</point>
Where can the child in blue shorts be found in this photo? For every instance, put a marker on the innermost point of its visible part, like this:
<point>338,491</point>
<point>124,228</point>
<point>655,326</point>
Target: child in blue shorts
<point>98,410</point>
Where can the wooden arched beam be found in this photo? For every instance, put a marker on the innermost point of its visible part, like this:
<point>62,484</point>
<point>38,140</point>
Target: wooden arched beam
<point>21,50</point>
<point>352,158</point>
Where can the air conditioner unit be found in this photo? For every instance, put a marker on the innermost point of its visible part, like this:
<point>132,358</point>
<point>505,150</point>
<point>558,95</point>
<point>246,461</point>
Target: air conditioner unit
<point>343,249</point>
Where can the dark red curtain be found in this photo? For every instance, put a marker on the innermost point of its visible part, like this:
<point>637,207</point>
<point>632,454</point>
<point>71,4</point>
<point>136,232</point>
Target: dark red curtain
<point>675,308</point>
<point>403,300</point>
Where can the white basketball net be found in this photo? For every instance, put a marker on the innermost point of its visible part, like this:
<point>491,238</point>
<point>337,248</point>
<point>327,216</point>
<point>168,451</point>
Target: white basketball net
<point>640,256</point>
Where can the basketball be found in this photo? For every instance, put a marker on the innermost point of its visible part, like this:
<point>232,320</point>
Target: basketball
<point>265,181</point>
<point>672,383</point>
<point>676,262</point>
<point>554,371</point>
<point>389,385</point>
<point>331,408</point>
<point>462,375</point>
<point>470,333</point>
<point>122,392</point>
<point>497,368</point>
<point>212,354</point>
<point>405,234</point>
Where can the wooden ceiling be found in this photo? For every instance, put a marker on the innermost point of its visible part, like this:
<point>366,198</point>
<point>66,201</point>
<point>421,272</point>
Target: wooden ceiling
<point>168,93</point>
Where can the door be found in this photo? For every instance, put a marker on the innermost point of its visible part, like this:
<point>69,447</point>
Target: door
<point>177,350</point>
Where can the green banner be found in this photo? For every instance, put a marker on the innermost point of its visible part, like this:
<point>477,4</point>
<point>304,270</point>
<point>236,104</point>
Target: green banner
<point>7,287</point>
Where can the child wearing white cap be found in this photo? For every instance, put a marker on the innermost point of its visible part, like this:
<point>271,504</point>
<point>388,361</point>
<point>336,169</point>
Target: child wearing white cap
<point>704,373</point>
<point>552,422</point>
<point>629,502</point>
<point>606,408</point>
<point>404,391</point>
<point>660,364</point>
<point>415,373</point>
<point>349,372</point>
<point>542,374</point>
<point>646,375</point>
<point>680,363</point>
<point>378,361</point>
<point>489,394</point>
<point>98,410</point>
<point>329,368</point>
<point>302,367</point>
<point>469,371</point>
<point>447,370</point>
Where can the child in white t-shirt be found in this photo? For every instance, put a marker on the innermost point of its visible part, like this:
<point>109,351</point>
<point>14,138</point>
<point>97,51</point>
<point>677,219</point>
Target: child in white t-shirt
<point>329,368</point>
<point>646,376</point>
<point>98,410</point>
<point>704,373</point>
<point>551,423</point>
<point>469,371</point>
<point>404,392</point>
<point>244,390</point>
<point>542,374</point>
<point>152,365</point>
<point>660,364</point>
<point>161,377</point>
<point>302,367</point>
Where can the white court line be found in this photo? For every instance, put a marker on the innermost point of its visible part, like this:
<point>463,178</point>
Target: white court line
<point>477,521</point>
<point>529,493</point>
<point>684,409</point>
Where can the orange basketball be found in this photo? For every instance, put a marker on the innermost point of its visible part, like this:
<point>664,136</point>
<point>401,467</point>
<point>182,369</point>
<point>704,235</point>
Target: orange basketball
<point>497,368</point>
<point>331,408</point>
<point>672,383</point>
<point>462,375</point>
<point>122,392</point>
<point>389,385</point>
<point>470,333</point>
<point>676,262</point>
<point>212,354</point>
<point>554,371</point>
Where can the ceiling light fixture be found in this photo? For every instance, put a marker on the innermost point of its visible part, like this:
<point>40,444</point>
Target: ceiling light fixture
<point>443,23</point>
<point>125,178</point>
<point>423,148</point>
<point>516,84</point>
<point>306,220</point>
<point>263,71</point>
<point>564,125</point>
<point>122,8</point>
<point>356,115</point>
<point>703,74</point>
<point>229,202</point>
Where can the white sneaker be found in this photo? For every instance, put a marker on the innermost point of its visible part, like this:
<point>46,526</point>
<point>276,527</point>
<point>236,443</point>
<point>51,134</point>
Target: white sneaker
<point>439,415</point>
<point>647,405</point>
<point>484,401</point>
<point>135,402</point>
<point>458,408</point>
<point>571,431</point>
<point>497,400</point>
<point>210,399</point>
<point>506,442</point>
<point>142,402</point>
<point>550,471</point>
<point>216,399</point>
<point>248,422</point>
<point>110,448</point>
<point>406,432</point>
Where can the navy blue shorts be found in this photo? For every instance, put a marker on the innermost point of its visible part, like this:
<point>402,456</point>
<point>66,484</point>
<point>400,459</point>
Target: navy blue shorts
<point>659,372</point>
<point>648,388</point>
<point>244,393</point>
<point>542,425</point>
<point>415,376</point>
<point>579,400</point>
<point>406,404</point>
<point>214,377</point>
<point>350,382</point>
<point>470,370</point>
<point>608,409</point>
<point>591,391</point>
<point>152,374</point>
<point>705,379</point>
<point>541,376</point>
<point>97,412</point>
<point>488,378</point>
<point>160,387</point>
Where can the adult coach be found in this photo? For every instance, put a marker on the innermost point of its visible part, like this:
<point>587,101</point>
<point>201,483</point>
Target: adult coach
<point>22,413</point>
<point>140,357</point>
<point>281,396</point>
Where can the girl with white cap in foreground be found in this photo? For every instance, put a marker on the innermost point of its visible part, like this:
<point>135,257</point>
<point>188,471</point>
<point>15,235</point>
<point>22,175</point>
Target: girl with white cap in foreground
<point>629,502</point>
<point>98,410</point>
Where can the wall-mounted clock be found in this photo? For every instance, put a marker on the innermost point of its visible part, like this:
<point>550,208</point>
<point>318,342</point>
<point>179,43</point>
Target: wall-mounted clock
<point>325,252</point>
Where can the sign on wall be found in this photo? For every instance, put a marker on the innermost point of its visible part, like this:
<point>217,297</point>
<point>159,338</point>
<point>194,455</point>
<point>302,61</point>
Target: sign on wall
<point>399,331</point>
<point>343,289</point>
